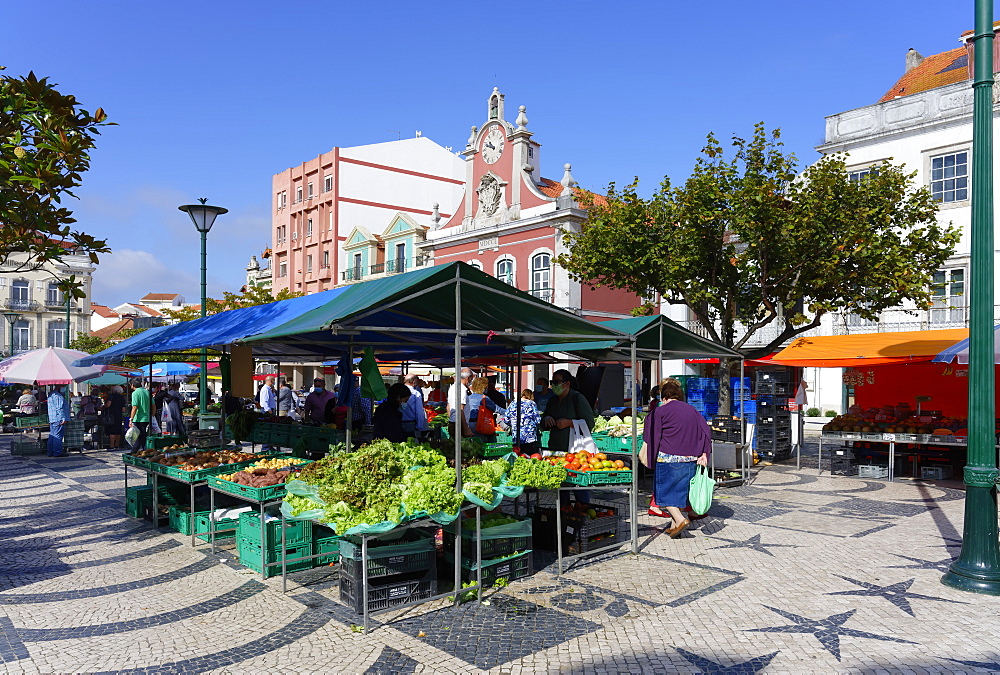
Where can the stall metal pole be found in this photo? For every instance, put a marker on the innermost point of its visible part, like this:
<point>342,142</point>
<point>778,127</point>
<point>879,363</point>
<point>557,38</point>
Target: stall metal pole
<point>349,377</point>
<point>634,493</point>
<point>516,396</point>
<point>459,411</point>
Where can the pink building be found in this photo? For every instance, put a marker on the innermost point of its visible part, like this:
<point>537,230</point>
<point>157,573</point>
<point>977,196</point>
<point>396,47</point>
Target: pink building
<point>358,194</point>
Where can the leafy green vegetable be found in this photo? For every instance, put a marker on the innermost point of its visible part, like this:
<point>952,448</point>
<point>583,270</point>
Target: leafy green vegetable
<point>536,474</point>
<point>483,491</point>
<point>431,489</point>
<point>493,520</point>
<point>487,472</point>
<point>300,504</point>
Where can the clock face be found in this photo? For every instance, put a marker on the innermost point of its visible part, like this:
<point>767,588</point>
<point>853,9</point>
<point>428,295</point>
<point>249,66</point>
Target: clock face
<point>492,145</point>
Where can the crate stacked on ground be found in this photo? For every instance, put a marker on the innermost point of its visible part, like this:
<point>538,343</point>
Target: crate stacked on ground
<point>773,432</point>
<point>585,528</point>
<point>399,570</point>
<point>182,519</point>
<point>727,428</point>
<point>253,549</point>
<point>505,548</point>
<point>741,403</point>
<point>842,462</point>
<point>703,395</point>
<point>139,499</point>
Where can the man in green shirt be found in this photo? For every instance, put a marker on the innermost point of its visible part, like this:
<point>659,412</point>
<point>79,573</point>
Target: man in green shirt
<point>142,405</point>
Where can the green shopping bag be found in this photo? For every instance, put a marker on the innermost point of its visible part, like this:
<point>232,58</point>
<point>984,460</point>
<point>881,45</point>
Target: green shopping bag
<point>700,491</point>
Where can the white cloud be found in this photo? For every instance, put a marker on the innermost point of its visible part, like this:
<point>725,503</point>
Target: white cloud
<point>126,275</point>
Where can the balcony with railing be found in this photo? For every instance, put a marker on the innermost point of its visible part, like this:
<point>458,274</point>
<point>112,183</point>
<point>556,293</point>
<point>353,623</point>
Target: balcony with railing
<point>546,294</point>
<point>392,266</point>
<point>20,305</point>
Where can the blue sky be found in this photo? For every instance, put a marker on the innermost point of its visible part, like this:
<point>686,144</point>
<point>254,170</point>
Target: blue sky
<point>213,98</point>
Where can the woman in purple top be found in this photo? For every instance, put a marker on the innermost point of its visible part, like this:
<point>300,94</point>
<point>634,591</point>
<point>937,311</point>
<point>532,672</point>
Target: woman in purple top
<point>678,438</point>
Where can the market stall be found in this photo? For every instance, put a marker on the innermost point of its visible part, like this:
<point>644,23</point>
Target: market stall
<point>909,411</point>
<point>454,309</point>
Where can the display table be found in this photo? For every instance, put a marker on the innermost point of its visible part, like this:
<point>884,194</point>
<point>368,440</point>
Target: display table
<point>891,440</point>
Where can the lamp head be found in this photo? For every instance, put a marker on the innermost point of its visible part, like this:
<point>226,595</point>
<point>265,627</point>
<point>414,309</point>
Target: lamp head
<point>203,215</point>
<point>12,317</point>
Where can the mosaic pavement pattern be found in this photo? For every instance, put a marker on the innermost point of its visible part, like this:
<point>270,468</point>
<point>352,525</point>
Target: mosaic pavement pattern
<point>797,572</point>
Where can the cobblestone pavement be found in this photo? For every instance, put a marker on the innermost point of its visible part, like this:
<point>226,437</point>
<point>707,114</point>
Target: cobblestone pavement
<point>796,572</point>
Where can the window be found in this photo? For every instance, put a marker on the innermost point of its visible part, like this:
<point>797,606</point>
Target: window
<point>948,299</point>
<point>309,264</point>
<point>22,333</point>
<point>326,259</point>
<point>505,271</point>
<point>541,276</point>
<point>53,296</point>
<point>950,177</point>
<point>283,270</point>
<point>475,263</point>
<point>310,191</point>
<point>856,176</point>
<point>19,298</point>
<point>357,265</point>
<point>57,334</point>
<point>298,195</point>
<point>309,227</point>
<point>327,183</point>
<point>282,199</point>
<point>400,257</point>
<point>330,225</point>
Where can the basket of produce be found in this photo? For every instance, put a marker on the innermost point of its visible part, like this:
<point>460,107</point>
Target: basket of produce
<point>189,467</point>
<point>500,535</point>
<point>587,468</point>
<point>263,480</point>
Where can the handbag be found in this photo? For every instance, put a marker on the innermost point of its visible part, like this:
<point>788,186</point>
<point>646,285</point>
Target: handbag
<point>644,455</point>
<point>700,491</point>
<point>580,439</point>
<point>485,424</point>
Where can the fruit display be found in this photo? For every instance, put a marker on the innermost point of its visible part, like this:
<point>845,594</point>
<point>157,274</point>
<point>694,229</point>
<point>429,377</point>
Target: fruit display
<point>588,461</point>
<point>188,459</point>
<point>896,420</point>
<point>264,473</point>
<point>617,427</point>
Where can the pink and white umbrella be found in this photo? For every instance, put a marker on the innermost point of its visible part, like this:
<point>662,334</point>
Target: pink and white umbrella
<point>47,366</point>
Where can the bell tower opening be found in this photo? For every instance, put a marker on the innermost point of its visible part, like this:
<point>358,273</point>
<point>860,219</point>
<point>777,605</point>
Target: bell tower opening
<point>496,105</point>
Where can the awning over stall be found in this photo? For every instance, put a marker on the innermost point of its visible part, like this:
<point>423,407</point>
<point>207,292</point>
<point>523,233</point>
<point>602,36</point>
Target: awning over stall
<point>868,349</point>
<point>656,335</point>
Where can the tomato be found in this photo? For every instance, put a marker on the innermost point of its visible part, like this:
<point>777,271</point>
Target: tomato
<point>601,456</point>
<point>619,464</point>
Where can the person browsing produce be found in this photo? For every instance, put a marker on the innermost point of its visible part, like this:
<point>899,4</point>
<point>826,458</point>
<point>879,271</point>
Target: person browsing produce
<point>567,404</point>
<point>679,439</point>
<point>388,418</point>
<point>526,437</point>
<point>142,409</point>
<point>315,408</point>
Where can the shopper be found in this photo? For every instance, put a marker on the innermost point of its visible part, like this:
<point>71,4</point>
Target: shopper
<point>473,408</point>
<point>287,400</point>
<point>654,398</point>
<point>435,395</point>
<point>567,404</point>
<point>414,416</point>
<point>542,393</point>
<point>267,399</point>
<point>316,402</point>
<point>27,403</point>
<point>142,406</point>
<point>457,398</point>
<point>525,436</point>
<point>388,418</point>
<point>58,417</point>
<point>113,409</point>
<point>678,439</point>
<point>173,406</point>
<point>494,394</point>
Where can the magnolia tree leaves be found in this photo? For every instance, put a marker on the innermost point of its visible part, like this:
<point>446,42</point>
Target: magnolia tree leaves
<point>749,240</point>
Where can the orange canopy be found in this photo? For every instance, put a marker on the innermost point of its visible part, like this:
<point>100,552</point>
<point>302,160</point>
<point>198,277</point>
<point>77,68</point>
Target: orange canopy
<point>868,349</point>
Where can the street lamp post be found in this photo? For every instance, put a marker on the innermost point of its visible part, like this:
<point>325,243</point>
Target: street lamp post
<point>12,318</point>
<point>203,216</point>
<point>978,566</point>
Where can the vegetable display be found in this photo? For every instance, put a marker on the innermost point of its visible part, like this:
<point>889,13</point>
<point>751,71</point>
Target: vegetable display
<point>535,473</point>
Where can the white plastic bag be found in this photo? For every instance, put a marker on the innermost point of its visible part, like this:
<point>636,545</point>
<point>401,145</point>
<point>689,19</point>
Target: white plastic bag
<point>154,426</point>
<point>132,435</point>
<point>580,438</point>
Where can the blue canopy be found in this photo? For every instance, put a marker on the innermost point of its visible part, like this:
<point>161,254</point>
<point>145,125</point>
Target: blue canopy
<point>960,350</point>
<point>212,332</point>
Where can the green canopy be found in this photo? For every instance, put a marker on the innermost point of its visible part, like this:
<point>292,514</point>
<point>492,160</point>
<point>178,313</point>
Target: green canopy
<point>655,335</point>
<point>415,316</point>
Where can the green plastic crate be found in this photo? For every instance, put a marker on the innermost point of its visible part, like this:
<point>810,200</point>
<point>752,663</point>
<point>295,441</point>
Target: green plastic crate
<point>200,474</point>
<point>497,449</point>
<point>159,442</point>
<point>142,495</point>
<point>296,531</point>
<point>510,568</point>
<point>180,520</point>
<point>599,477</point>
<point>329,546</point>
<point>257,494</point>
<point>132,460</point>
<point>31,422</point>
<point>250,556</point>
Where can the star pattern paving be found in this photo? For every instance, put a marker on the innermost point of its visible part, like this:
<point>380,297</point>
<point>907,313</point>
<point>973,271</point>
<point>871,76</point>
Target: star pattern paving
<point>828,631</point>
<point>753,543</point>
<point>708,666</point>
<point>940,565</point>
<point>898,593</point>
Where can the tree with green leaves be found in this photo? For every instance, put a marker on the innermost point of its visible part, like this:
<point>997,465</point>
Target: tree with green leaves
<point>749,242</point>
<point>45,143</point>
<point>250,297</point>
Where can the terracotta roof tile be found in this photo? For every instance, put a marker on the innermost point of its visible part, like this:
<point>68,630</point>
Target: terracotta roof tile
<point>148,310</point>
<point>109,331</point>
<point>160,296</point>
<point>935,71</point>
<point>552,188</point>
<point>102,310</point>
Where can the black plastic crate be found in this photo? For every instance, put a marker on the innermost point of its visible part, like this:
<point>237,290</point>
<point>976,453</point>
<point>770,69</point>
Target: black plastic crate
<point>576,528</point>
<point>774,389</point>
<point>491,548</point>
<point>388,592</point>
<point>511,569</point>
<point>727,436</point>
<point>595,543</point>
<point>774,455</point>
<point>843,467</point>
<point>771,434</point>
<point>414,552</point>
<point>773,376</point>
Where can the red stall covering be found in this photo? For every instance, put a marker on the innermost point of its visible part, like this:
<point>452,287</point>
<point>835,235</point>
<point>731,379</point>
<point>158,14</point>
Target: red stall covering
<point>947,385</point>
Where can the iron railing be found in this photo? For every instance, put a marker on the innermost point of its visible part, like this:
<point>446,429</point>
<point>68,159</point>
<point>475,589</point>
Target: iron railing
<point>545,294</point>
<point>20,305</point>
